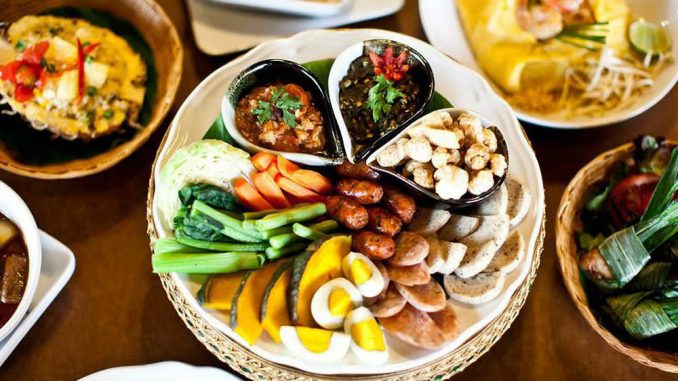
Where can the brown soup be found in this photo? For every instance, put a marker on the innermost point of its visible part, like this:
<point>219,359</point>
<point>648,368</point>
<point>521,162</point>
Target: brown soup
<point>13,268</point>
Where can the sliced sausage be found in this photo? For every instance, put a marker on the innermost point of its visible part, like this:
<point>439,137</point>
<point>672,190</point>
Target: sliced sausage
<point>348,212</point>
<point>414,327</point>
<point>446,321</point>
<point>409,275</point>
<point>381,221</point>
<point>429,297</point>
<point>391,304</point>
<point>366,192</point>
<point>374,245</point>
<point>399,203</point>
<point>410,249</point>
<point>359,170</point>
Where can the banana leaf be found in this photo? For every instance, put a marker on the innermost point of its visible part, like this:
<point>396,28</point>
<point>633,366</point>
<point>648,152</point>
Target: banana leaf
<point>666,188</point>
<point>651,317</point>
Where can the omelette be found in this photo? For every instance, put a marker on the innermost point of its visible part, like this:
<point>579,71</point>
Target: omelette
<point>521,44</point>
<point>76,79</point>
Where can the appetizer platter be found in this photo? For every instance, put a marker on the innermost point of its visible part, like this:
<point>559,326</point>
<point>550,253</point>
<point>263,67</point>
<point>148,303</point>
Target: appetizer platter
<point>564,64</point>
<point>303,234</point>
<point>617,232</point>
<point>82,86</point>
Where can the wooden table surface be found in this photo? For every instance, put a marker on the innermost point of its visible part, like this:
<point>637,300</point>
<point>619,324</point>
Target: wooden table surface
<point>114,312</point>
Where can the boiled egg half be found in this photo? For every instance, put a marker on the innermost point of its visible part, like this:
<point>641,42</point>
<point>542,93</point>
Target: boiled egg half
<point>333,301</point>
<point>368,343</point>
<point>315,344</point>
<point>363,273</point>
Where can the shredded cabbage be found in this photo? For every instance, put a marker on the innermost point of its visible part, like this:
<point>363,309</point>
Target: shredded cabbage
<point>205,161</point>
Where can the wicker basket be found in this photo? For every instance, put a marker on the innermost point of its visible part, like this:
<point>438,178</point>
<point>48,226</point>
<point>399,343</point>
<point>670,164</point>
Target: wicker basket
<point>567,223</point>
<point>158,31</point>
<point>255,367</point>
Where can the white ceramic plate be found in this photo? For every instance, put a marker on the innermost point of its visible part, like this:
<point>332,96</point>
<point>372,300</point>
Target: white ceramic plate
<point>219,29</point>
<point>463,87</point>
<point>313,8</point>
<point>58,264</point>
<point>161,371</point>
<point>445,31</point>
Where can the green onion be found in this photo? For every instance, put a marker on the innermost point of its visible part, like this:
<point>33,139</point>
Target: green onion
<point>214,263</point>
<point>580,35</point>
<point>222,246</point>
<point>273,253</point>
<point>289,216</point>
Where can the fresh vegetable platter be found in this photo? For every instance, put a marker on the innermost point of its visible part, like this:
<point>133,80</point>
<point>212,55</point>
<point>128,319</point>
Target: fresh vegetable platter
<point>310,241</point>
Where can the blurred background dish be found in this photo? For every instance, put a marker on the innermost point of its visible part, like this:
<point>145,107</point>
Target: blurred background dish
<point>58,264</point>
<point>220,29</point>
<point>20,259</point>
<point>589,50</point>
<point>161,371</point>
<point>147,34</point>
<point>311,8</point>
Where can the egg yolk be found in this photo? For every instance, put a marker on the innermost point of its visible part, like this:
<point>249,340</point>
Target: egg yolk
<point>314,339</point>
<point>360,271</point>
<point>368,335</point>
<point>340,302</point>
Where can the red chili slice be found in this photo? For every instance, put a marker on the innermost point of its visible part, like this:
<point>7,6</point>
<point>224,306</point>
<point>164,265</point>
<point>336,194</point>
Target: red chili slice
<point>23,93</point>
<point>630,197</point>
<point>81,70</point>
<point>34,54</point>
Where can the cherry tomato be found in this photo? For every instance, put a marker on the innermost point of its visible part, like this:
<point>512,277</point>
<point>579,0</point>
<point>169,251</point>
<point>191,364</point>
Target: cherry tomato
<point>630,197</point>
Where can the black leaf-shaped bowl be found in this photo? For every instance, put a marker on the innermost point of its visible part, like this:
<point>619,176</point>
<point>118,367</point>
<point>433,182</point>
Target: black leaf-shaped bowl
<point>275,70</point>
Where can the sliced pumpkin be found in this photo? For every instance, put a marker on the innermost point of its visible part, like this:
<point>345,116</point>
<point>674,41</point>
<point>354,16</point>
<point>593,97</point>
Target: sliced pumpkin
<point>320,263</point>
<point>273,313</point>
<point>217,291</point>
<point>247,302</point>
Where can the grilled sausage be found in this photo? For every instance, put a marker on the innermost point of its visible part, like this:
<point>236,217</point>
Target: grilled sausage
<point>374,245</point>
<point>399,203</point>
<point>348,212</point>
<point>381,221</point>
<point>410,249</point>
<point>364,191</point>
<point>358,170</point>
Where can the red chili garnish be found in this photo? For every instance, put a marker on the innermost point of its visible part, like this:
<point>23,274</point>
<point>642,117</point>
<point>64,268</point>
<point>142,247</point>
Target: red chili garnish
<point>89,48</point>
<point>81,71</point>
<point>27,74</point>
<point>34,54</point>
<point>8,72</point>
<point>393,68</point>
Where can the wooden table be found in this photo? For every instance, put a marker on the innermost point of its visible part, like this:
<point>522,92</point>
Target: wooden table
<point>114,312</point>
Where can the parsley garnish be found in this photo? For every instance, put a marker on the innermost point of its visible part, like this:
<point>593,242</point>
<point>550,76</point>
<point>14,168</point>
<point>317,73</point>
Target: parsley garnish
<point>381,97</point>
<point>20,46</point>
<point>280,100</point>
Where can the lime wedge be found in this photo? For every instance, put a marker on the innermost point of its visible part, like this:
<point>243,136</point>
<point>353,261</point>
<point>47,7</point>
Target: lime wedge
<point>647,37</point>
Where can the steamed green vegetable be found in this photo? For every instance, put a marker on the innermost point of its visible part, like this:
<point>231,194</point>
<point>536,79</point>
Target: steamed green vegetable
<point>203,162</point>
<point>291,215</point>
<point>210,195</point>
<point>273,253</point>
<point>212,263</point>
<point>281,240</point>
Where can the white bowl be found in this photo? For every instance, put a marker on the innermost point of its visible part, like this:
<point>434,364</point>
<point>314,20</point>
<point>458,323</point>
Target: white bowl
<point>445,31</point>
<point>294,7</point>
<point>14,208</point>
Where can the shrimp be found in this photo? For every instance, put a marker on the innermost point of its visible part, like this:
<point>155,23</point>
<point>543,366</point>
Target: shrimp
<point>565,5</point>
<point>542,20</point>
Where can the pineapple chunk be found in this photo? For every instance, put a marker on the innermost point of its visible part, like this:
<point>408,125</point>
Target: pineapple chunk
<point>68,86</point>
<point>132,93</point>
<point>95,74</point>
<point>61,50</point>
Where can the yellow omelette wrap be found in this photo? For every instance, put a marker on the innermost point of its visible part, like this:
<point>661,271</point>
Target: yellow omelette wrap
<point>513,58</point>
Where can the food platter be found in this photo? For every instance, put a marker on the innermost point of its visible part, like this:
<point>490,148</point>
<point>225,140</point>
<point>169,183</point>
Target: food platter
<point>480,325</point>
<point>444,28</point>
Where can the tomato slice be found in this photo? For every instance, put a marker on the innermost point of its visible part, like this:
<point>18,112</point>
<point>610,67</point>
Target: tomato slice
<point>630,197</point>
<point>34,54</point>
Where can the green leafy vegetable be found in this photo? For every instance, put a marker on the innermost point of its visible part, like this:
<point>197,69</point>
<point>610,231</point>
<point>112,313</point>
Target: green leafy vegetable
<point>381,97</point>
<point>209,194</point>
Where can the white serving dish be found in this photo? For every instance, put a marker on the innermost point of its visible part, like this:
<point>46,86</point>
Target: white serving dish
<point>445,31</point>
<point>58,263</point>
<point>310,8</point>
<point>161,371</point>
<point>14,208</point>
<point>219,29</point>
<point>462,86</point>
